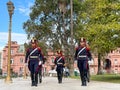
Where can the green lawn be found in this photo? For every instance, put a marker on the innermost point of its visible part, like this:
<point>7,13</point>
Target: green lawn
<point>104,78</point>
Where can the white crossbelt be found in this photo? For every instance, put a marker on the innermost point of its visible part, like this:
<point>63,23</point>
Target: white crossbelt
<point>83,56</point>
<point>81,50</point>
<point>33,51</point>
<point>60,63</point>
<point>59,59</point>
<point>33,56</point>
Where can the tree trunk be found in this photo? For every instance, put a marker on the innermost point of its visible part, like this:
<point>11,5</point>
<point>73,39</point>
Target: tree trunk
<point>71,66</point>
<point>72,46</point>
<point>99,64</point>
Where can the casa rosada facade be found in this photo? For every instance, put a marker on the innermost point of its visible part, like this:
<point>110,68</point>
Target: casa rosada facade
<point>18,59</point>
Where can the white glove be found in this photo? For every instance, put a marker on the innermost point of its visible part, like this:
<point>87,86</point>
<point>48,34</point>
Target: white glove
<point>40,62</point>
<point>55,67</point>
<point>25,64</point>
<point>43,65</point>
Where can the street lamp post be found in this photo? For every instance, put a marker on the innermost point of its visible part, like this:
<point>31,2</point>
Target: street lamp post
<point>24,74</point>
<point>10,7</point>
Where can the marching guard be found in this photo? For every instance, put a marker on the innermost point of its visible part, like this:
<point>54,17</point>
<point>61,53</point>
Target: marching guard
<point>32,57</point>
<point>82,55</point>
<point>59,62</point>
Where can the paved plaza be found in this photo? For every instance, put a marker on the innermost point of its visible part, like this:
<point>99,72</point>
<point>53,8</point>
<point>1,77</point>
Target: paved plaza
<point>50,83</point>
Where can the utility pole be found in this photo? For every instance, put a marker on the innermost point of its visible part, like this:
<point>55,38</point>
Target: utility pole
<point>72,45</point>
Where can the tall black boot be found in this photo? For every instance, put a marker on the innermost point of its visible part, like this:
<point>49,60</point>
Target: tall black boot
<point>36,79</point>
<point>84,83</point>
<point>32,79</point>
<point>40,76</point>
<point>58,79</point>
<point>84,80</point>
<point>61,75</point>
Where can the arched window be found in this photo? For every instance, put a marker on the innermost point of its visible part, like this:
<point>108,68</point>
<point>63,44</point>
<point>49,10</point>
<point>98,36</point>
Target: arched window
<point>21,60</point>
<point>115,61</point>
<point>11,61</point>
<point>52,59</point>
<point>107,64</point>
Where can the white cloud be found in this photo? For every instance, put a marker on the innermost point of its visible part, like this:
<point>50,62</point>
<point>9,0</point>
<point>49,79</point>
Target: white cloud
<point>25,10</point>
<point>20,38</point>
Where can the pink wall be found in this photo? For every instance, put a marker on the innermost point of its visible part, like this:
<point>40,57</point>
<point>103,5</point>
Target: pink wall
<point>17,58</point>
<point>114,56</point>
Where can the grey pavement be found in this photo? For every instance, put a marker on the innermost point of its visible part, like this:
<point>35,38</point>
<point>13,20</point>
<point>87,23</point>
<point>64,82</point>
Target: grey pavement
<point>50,83</point>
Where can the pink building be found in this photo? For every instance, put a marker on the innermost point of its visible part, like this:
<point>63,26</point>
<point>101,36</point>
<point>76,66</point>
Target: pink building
<point>114,57</point>
<point>111,63</point>
<point>49,65</point>
<point>17,58</point>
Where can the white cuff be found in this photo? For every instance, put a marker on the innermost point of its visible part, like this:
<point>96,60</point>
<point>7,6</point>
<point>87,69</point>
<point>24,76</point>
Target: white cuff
<point>40,62</point>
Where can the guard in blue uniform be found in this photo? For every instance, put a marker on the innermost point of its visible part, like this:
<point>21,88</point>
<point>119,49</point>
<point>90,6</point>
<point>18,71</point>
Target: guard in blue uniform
<point>82,55</point>
<point>33,55</point>
<point>59,62</point>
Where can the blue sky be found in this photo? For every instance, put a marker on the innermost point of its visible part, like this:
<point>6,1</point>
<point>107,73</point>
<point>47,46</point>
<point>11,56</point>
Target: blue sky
<point>21,14</point>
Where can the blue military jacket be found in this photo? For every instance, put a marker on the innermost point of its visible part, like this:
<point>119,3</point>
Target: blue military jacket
<point>59,61</point>
<point>35,56</point>
<point>82,53</point>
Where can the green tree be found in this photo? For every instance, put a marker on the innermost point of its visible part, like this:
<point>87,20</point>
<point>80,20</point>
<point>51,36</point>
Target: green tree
<point>99,22</point>
<point>50,22</point>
